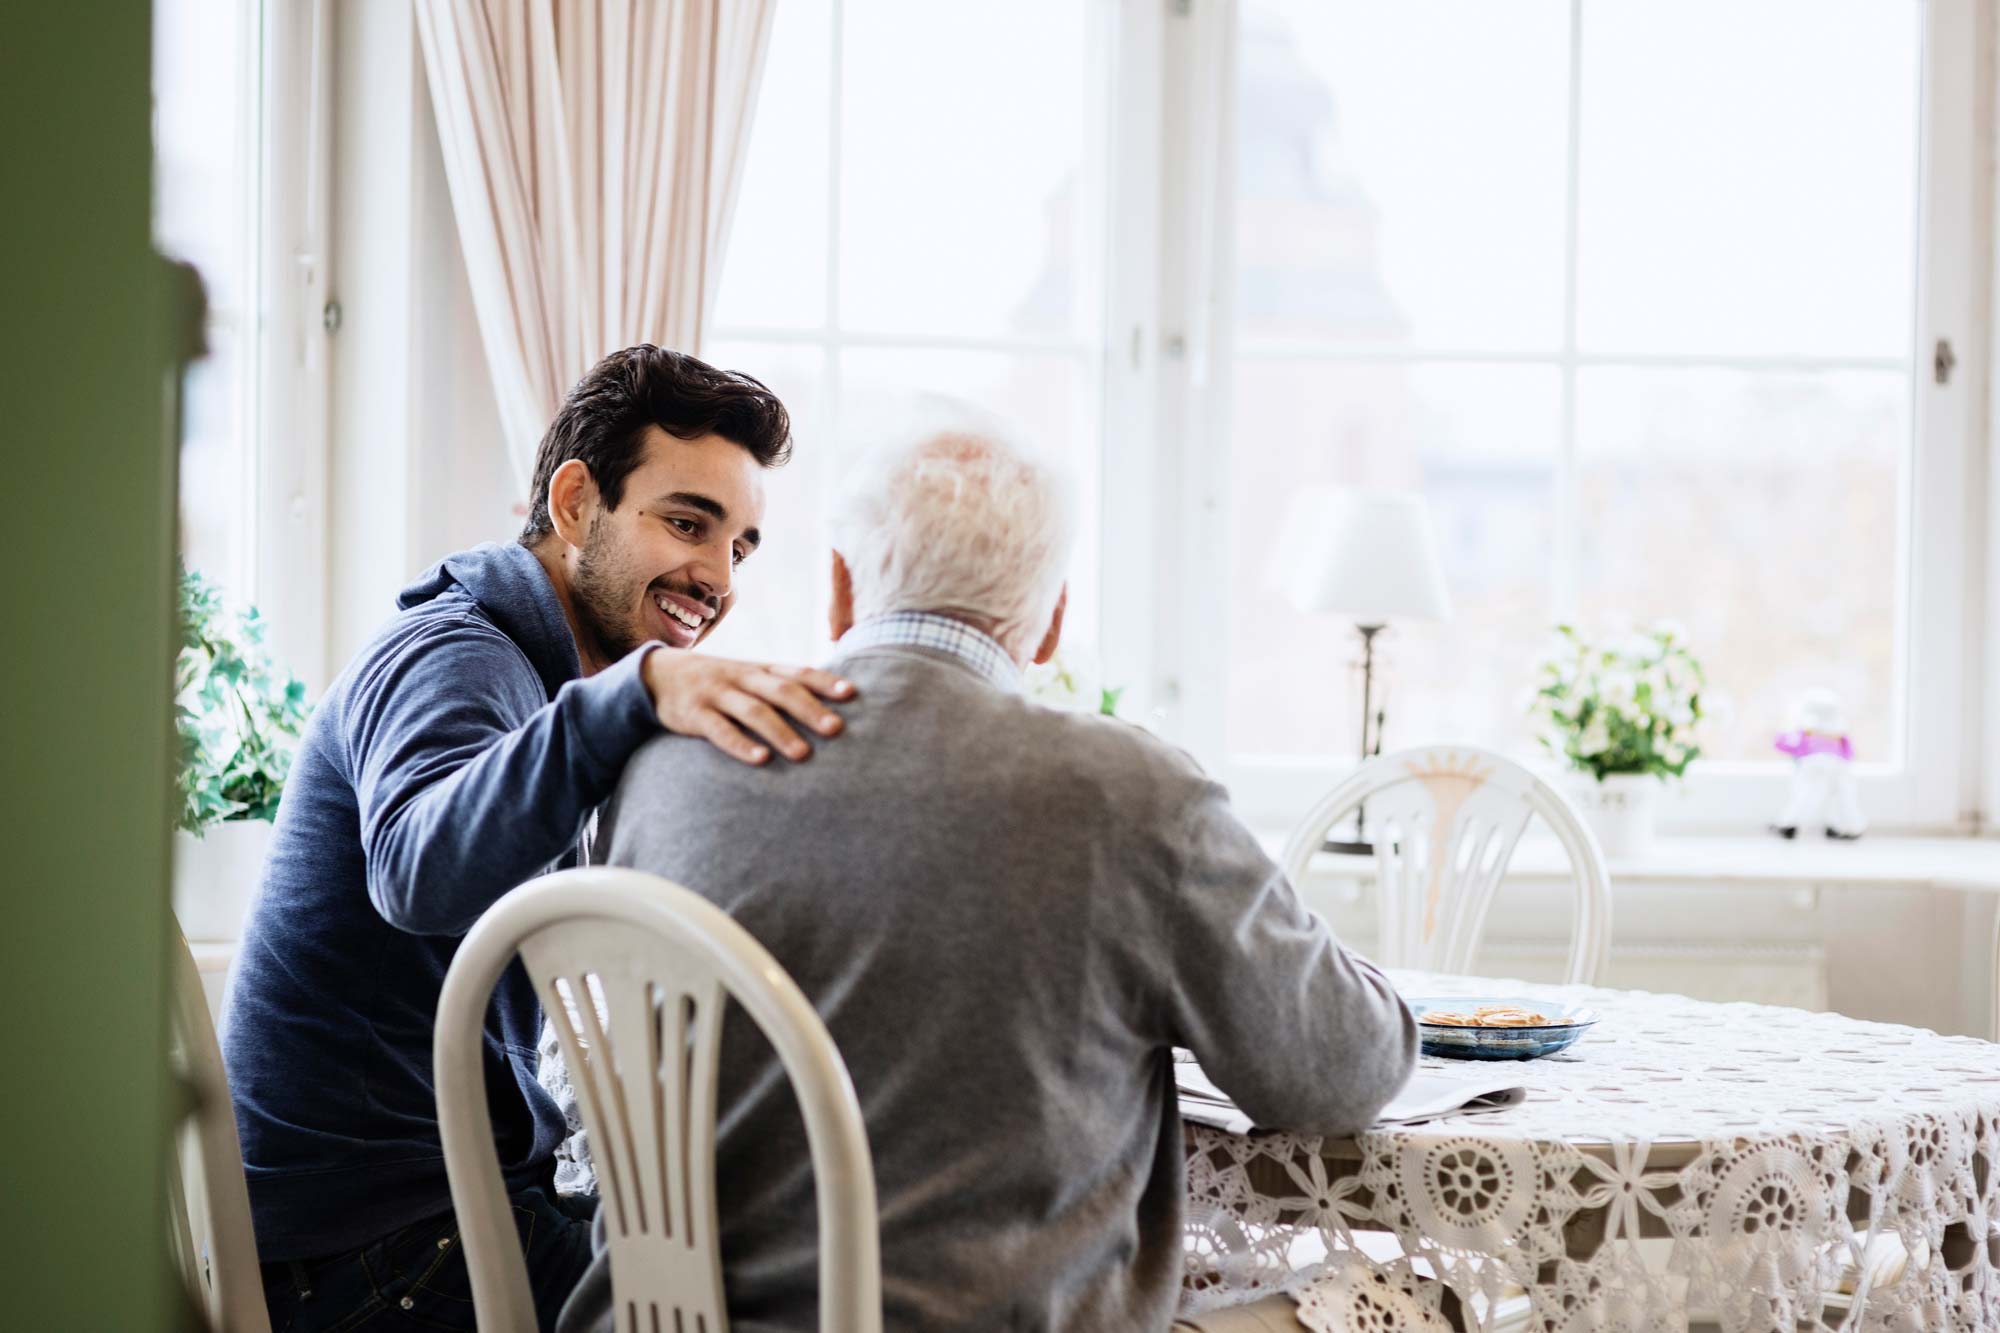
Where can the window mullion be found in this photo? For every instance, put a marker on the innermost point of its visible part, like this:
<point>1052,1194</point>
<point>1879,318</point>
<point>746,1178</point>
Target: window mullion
<point>1137,501</point>
<point>1939,655</point>
<point>1196,277</point>
<point>1567,556</point>
<point>286,332</point>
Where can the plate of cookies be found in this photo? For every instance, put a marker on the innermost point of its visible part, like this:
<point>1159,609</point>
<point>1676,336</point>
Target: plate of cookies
<point>1497,1027</point>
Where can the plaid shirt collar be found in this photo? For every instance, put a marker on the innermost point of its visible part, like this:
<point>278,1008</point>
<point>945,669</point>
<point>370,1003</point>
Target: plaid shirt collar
<point>942,634</point>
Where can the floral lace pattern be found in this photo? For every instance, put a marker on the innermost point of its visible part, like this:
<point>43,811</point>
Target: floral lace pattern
<point>574,1173</point>
<point>1762,1168</point>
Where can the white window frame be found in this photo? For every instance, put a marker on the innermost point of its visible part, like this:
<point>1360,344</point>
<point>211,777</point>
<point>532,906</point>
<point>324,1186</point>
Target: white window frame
<point>282,115</point>
<point>284,106</point>
<point>1933,788</point>
<point>288,361</point>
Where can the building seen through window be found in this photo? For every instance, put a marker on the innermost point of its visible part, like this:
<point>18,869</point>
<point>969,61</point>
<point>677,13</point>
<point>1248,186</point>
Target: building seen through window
<point>1641,365</point>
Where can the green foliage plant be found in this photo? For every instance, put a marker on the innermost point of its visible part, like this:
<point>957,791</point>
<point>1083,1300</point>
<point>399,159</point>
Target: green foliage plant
<point>1627,702</point>
<point>238,713</point>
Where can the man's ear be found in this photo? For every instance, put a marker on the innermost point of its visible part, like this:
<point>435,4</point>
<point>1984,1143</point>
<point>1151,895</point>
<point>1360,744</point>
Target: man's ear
<point>572,502</point>
<point>1054,636</point>
<point>840,614</point>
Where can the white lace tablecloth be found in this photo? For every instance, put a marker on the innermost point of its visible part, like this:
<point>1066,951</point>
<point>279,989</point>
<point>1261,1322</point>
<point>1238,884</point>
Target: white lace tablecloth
<point>1757,1166</point>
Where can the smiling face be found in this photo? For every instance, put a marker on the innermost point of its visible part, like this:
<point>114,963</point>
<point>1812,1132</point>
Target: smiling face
<point>662,564</point>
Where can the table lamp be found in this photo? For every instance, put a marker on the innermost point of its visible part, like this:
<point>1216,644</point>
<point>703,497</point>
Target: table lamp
<point>1370,556</point>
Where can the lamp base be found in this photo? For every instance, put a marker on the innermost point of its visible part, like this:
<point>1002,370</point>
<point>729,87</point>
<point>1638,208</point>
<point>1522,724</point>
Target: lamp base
<point>1347,847</point>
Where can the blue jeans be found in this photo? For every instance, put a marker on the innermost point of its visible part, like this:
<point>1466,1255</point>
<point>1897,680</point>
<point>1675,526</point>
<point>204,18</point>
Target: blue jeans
<point>416,1278</point>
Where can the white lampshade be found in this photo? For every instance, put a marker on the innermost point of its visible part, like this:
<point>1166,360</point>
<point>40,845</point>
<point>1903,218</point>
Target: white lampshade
<point>1370,555</point>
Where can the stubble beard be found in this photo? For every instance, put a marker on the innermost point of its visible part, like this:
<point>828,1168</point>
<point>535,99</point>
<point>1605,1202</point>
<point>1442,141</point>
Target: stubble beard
<point>603,591</point>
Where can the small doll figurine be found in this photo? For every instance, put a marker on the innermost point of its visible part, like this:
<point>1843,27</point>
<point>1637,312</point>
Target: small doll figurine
<point>1822,771</point>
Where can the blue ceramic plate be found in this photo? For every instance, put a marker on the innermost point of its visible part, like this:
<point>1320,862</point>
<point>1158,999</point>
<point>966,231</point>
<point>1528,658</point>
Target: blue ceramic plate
<point>1461,1043</point>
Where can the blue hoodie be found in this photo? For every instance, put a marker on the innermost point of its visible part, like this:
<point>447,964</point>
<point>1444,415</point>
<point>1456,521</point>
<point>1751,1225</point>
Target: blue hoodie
<point>458,755</point>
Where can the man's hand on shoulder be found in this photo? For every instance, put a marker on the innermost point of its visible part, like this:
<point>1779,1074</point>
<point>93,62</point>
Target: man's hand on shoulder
<point>744,709</point>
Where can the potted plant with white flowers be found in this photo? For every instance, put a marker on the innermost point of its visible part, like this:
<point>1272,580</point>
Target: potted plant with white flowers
<point>1620,711</point>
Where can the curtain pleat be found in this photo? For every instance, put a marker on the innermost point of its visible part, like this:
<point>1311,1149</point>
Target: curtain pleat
<point>593,149</point>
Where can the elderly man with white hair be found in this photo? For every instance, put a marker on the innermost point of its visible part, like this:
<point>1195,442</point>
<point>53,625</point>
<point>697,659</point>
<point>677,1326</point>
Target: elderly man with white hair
<point>1008,917</point>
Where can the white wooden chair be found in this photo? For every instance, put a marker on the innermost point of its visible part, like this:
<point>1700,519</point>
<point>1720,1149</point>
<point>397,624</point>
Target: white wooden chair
<point>1444,822</point>
<point>634,973</point>
<point>209,1228</point>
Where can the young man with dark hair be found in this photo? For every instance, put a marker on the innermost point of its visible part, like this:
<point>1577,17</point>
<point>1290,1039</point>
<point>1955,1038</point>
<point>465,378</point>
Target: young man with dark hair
<point>459,754</point>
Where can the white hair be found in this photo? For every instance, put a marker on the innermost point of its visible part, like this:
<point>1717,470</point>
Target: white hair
<point>958,517</point>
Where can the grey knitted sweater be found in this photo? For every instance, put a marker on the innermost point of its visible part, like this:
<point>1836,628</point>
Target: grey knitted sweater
<point>1008,916</point>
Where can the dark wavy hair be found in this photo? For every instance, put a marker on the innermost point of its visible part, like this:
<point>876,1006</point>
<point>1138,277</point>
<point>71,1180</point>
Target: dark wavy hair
<point>604,420</point>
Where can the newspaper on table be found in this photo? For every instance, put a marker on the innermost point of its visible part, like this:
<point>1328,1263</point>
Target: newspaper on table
<point>1427,1096</point>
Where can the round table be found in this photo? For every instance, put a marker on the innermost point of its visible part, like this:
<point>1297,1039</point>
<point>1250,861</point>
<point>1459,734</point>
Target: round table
<point>1762,1168</point>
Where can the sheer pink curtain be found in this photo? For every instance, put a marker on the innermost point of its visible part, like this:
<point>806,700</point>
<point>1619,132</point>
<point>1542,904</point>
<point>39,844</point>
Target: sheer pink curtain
<point>593,149</point>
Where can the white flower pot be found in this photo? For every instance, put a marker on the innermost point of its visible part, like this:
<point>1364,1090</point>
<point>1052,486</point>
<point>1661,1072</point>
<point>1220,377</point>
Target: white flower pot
<point>215,876</point>
<point>1620,810</point>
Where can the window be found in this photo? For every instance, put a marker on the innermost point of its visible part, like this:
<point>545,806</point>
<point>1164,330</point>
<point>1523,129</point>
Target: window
<point>916,217</point>
<point>240,166</point>
<point>205,187</point>
<point>1631,294</point>
<point>1642,297</point>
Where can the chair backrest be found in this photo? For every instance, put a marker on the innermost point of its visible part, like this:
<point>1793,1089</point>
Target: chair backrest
<point>1444,822</point>
<point>208,1223</point>
<point>633,972</point>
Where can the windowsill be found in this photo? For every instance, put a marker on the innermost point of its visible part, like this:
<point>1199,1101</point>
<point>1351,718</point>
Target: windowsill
<point>1964,863</point>
<point>1896,928</point>
<point>1728,800</point>
<point>211,963</point>
<point>212,955</point>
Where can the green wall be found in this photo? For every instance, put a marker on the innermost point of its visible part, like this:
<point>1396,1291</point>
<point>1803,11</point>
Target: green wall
<point>88,521</point>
